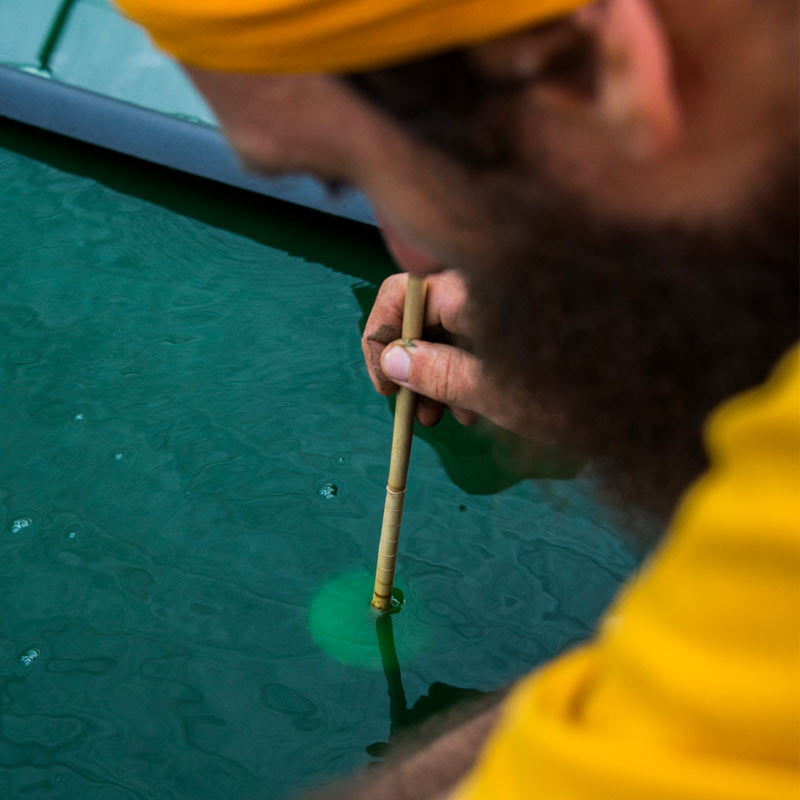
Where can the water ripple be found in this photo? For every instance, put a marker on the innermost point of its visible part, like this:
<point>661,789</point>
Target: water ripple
<point>191,449</point>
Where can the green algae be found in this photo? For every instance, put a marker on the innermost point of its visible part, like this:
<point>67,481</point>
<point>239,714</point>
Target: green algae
<point>343,623</point>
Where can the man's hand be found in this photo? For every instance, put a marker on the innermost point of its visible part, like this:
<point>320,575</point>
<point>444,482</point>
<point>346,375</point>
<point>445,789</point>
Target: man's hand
<point>443,374</point>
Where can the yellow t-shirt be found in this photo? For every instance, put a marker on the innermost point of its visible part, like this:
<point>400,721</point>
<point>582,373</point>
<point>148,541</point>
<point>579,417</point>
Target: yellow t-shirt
<point>691,689</point>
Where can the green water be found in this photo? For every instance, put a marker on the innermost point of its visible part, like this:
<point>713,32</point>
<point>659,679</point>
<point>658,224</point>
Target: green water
<point>181,388</point>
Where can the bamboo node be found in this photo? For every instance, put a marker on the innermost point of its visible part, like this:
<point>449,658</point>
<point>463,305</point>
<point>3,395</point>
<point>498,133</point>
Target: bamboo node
<point>413,314</point>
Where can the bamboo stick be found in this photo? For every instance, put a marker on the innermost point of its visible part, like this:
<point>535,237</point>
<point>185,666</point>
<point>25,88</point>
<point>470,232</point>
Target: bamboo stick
<point>413,314</point>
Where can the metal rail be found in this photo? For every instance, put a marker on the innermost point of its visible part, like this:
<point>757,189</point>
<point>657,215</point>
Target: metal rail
<point>192,147</point>
<point>54,34</point>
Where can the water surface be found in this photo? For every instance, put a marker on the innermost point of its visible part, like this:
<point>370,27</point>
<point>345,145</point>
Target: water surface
<point>190,449</point>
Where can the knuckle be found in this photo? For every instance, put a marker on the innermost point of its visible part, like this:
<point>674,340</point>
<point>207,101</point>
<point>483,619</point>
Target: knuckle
<point>384,321</point>
<point>391,286</point>
<point>395,279</point>
<point>445,375</point>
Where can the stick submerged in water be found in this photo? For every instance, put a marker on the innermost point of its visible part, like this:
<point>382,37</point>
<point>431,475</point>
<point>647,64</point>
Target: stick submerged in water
<point>413,314</point>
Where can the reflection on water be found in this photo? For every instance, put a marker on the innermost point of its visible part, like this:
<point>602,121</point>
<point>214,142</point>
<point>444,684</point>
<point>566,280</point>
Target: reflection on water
<point>403,721</point>
<point>180,377</point>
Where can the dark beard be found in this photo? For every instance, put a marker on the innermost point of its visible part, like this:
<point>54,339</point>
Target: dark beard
<point>633,334</point>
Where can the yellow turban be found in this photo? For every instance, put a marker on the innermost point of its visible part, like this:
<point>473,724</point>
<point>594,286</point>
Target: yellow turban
<point>296,36</point>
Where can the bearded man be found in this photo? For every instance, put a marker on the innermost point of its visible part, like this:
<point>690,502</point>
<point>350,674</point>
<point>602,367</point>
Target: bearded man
<point>605,198</point>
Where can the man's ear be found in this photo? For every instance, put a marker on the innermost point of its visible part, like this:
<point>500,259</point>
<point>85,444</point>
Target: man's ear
<point>635,100</point>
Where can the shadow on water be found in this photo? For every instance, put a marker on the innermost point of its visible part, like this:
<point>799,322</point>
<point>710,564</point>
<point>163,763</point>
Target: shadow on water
<point>405,722</point>
<point>351,248</point>
<point>480,460</point>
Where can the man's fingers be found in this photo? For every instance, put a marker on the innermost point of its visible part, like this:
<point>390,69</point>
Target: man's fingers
<point>464,416</point>
<point>429,412</point>
<point>372,356</point>
<point>440,372</point>
<point>444,310</point>
<point>383,326</point>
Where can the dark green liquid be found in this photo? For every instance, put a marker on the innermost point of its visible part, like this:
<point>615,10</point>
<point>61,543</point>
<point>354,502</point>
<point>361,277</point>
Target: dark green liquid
<point>181,383</point>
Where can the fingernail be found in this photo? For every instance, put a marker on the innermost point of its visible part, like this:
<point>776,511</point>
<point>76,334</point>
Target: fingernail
<point>397,364</point>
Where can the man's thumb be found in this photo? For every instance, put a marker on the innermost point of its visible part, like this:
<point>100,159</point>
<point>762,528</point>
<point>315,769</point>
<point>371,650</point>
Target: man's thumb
<point>443,373</point>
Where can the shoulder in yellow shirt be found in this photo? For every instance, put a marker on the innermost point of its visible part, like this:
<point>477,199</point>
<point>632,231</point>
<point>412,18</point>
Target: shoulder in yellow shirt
<point>691,689</point>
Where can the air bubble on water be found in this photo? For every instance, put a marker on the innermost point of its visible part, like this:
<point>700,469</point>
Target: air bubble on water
<point>123,454</point>
<point>29,656</point>
<point>79,416</point>
<point>398,599</point>
<point>72,535</point>
<point>340,459</point>
<point>328,491</point>
<point>19,524</point>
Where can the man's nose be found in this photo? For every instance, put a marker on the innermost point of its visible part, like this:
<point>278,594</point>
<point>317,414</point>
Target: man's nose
<point>408,257</point>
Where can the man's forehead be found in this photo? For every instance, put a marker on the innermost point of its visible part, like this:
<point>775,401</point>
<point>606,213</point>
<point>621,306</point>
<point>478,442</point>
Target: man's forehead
<point>307,36</point>
<point>232,87</point>
<point>278,102</point>
<point>294,123</point>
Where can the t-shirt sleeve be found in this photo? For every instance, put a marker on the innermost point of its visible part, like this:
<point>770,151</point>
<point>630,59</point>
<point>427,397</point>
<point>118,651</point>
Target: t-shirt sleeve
<point>690,689</point>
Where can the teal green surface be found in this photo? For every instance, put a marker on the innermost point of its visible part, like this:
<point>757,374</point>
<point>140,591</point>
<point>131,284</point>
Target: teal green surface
<point>181,387</point>
<point>101,51</point>
<point>24,25</point>
<point>92,46</point>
